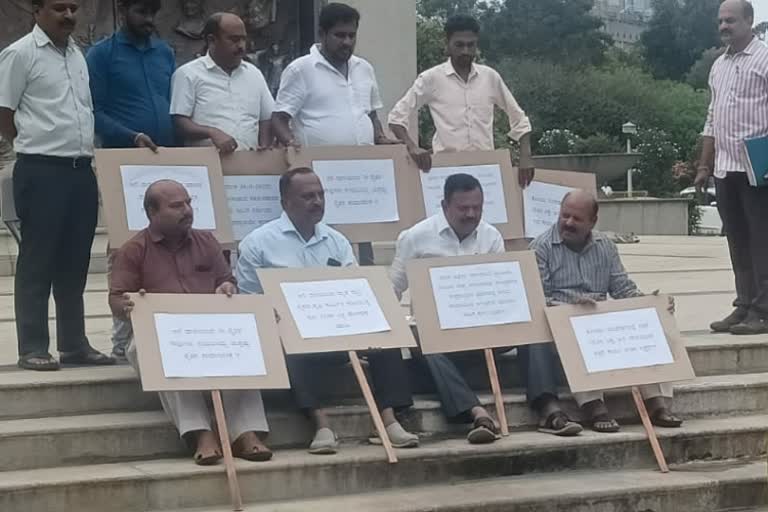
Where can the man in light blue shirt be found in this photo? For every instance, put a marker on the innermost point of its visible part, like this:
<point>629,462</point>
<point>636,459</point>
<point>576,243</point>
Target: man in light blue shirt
<point>300,239</point>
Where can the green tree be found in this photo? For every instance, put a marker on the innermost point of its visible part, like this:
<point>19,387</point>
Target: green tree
<point>698,76</point>
<point>446,8</point>
<point>678,34</point>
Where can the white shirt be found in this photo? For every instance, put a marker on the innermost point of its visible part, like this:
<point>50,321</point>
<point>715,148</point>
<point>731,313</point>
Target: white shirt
<point>49,91</point>
<point>462,111</point>
<point>326,107</point>
<point>234,103</point>
<point>277,244</point>
<point>435,238</point>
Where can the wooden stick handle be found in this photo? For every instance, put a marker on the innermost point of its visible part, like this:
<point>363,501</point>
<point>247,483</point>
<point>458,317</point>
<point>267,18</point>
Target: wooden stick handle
<point>493,374</point>
<point>372,407</point>
<point>226,446</point>
<point>657,451</point>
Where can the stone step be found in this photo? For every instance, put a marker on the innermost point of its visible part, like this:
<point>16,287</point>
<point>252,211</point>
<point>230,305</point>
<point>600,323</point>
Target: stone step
<point>92,390</point>
<point>688,489</point>
<point>9,252</point>
<point>295,475</point>
<point>121,435</point>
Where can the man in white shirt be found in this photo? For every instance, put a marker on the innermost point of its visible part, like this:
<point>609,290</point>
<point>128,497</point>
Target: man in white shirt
<point>46,110</point>
<point>456,231</point>
<point>461,96</point>
<point>299,238</point>
<point>330,96</point>
<point>219,98</point>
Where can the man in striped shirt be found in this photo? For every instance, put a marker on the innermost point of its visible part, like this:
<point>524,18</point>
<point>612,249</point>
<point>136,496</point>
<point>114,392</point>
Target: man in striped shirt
<point>738,111</point>
<point>581,266</point>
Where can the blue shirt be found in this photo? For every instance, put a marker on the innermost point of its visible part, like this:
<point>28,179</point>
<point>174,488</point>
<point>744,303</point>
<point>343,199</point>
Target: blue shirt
<point>279,244</point>
<point>131,89</point>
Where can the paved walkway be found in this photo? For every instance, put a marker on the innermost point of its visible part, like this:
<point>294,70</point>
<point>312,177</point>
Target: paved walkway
<point>694,269</point>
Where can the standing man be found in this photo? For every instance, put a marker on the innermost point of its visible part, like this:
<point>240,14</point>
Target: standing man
<point>579,265</point>
<point>219,98</point>
<point>299,238</point>
<point>131,88</point>
<point>331,96</point>
<point>738,111</point>
<point>131,81</point>
<point>46,110</point>
<point>461,96</point>
<point>171,257</point>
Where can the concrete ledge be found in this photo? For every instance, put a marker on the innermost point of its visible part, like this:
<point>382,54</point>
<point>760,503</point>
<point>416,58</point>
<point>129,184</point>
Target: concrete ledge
<point>644,216</point>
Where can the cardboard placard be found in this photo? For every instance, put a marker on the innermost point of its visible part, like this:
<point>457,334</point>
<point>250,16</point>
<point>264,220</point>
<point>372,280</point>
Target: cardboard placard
<point>434,339</point>
<point>151,308</point>
<point>542,198</point>
<point>251,181</point>
<point>111,163</point>
<point>406,177</point>
<point>517,244</point>
<point>583,180</point>
<point>399,334</point>
<point>489,160</point>
<point>623,338</point>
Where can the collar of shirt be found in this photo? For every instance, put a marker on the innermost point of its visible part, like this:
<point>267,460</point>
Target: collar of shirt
<point>285,225</point>
<point>319,60</point>
<point>748,50</point>
<point>42,39</point>
<point>445,229</point>
<point>158,238</point>
<point>122,37</point>
<point>210,65</point>
<point>451,71</point>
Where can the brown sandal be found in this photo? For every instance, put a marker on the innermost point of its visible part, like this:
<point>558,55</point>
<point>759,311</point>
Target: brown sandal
<point>661,417</point>
<point>254,451</point>
<point>558,424</point>
<point>484,431</point>
<point>209,459</point>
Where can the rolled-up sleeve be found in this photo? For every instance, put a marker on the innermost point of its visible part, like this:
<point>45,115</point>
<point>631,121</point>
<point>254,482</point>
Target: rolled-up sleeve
<point>248,262</point>
<point>519,124</point>
<point>125,275</point>
<point>397,271</point>
<point>408,105</point>
<point>13,77</point>
<point>292,92</point>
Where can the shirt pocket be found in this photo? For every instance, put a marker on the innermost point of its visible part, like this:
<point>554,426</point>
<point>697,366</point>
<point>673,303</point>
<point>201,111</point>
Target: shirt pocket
<point>363,91</point>
<point>750,84</point>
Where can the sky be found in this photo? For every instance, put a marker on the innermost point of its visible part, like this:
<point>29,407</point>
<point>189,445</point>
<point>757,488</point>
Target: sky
<point>761,10</point>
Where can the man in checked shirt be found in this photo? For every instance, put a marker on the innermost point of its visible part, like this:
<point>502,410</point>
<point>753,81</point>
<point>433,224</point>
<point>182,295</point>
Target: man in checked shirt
<point>738,111</point>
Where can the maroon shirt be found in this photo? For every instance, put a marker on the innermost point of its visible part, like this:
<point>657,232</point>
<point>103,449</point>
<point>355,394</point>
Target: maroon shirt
<point>146,262</point>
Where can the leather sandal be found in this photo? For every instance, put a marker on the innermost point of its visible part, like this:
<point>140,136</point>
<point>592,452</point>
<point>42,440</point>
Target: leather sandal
<point>38,361</point>
<point>89,357</point>
<point>252,451</point>
<point>559,424</point>
<point>484,431</point>
<point>662,417</point>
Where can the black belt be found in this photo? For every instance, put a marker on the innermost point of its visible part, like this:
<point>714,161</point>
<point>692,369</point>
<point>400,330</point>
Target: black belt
<point>73,162</point>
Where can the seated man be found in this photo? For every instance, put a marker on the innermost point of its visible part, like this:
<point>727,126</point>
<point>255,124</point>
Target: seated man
<point>456,231</point>
<point>299,239</point>
<point>171,257</point>
<point>579,265</point>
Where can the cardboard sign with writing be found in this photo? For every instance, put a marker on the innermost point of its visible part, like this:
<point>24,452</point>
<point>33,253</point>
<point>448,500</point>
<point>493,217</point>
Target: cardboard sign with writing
<point>502,194</point>
<point>251,181</point>
<point>619,343</point>
<point>331,309</point>
<point>542,198</point>
<point>207,342</point>
<point>371,192</point>
<point>125,174</point>
<point>477,302</point>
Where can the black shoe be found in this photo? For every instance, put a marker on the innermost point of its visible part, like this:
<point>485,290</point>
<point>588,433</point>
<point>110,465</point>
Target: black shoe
<point>753,324</point>
<point>724,325</point>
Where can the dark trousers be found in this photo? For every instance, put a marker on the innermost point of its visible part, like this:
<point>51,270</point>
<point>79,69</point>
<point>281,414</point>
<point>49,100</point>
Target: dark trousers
<point>57,203</point>
<point>389,378</point>
<point>541,369</point>
<point>744,211</point>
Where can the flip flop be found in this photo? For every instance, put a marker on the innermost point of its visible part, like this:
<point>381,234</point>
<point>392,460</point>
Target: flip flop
<point>46,362</point>
<point>89,357</point>
<point>559,424</point>
<point>661,417</point>
<point>612,424</point>
<point>484,431</point>
<point>256,452</point>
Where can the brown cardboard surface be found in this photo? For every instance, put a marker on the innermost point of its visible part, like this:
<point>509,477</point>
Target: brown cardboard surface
<point>150,362</point>
<point>108,162</point>
<point>399,336</point>
<point>255,163</point>
<point>573,362</point>
<point>433,339</point>
<point>583,180</point>
<point>410,207</point>
<point>517,244</point>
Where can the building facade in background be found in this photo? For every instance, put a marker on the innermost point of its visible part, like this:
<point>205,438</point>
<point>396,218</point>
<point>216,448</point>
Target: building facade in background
<point>624,20</point>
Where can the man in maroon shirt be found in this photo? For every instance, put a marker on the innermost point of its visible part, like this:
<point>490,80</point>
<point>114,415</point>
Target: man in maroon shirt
<point>171,257</point>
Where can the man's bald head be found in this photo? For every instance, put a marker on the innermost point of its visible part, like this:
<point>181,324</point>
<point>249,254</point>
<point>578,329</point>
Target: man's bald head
<point>169,209</point>
<point>578,216</point>
<point>746,8</point>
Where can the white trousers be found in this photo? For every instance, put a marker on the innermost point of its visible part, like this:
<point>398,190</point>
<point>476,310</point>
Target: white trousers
<point>191,411</point>
<point>648,392</point>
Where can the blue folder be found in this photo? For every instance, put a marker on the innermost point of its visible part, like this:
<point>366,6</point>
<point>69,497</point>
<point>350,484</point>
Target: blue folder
<point>756,150</point>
